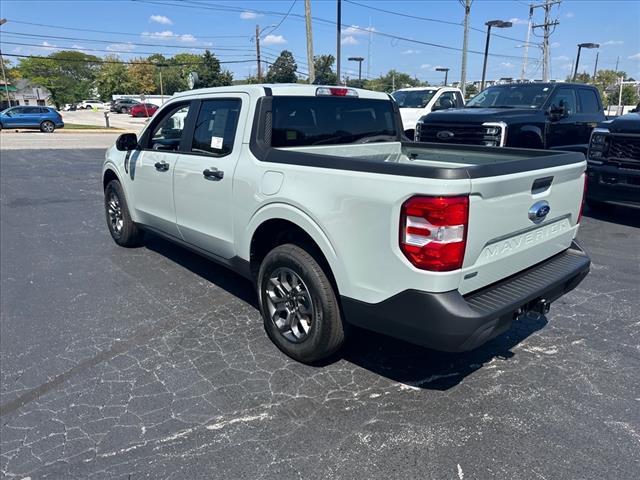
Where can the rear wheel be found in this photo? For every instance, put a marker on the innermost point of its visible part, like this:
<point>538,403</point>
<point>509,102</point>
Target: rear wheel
<point>47,126</point>
<point>123,110</point>
<point>123,229</point>
<point>299,305</point>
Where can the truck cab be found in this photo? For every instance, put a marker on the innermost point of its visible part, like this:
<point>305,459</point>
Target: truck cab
<point>551,116</point>
<point>417,102</point>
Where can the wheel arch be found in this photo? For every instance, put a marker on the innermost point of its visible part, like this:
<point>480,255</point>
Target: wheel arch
<point>278,224</point>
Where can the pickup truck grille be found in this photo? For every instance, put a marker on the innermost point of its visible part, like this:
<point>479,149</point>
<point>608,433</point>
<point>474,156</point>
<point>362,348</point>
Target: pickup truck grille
<point>624,149</point>
<point>461,134</point>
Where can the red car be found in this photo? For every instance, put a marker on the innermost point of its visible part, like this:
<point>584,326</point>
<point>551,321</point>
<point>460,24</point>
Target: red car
<point>143,110</point>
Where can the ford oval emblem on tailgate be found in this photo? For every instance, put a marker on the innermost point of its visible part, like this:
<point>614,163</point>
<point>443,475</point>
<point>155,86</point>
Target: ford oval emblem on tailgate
<point>539,211</point>
<point>444,135</point>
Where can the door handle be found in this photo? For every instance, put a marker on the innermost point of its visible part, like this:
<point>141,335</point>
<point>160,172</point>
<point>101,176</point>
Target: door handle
<point>162,166</point>
<point>213,173</point>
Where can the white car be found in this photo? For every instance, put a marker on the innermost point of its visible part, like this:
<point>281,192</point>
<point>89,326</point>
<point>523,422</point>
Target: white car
<point>312,193</point>
<point>416,102</point>
<point>91,104</point>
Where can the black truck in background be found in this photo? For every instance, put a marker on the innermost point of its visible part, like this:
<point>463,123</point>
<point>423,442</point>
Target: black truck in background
<point>556,116</point>
<point>613,163</point>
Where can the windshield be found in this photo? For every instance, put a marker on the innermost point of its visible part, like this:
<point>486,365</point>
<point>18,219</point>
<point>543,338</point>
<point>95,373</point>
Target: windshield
<point>413,98</point>
<point>511,96</point>
<point>304,121</point>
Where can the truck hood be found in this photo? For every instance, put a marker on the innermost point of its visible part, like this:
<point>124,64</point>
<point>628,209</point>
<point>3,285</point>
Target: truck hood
<point>629,123</point>
<point>481,115</point>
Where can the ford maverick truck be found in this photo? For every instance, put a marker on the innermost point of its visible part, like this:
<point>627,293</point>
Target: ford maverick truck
<point>314,194</point>
<point>556,116</point>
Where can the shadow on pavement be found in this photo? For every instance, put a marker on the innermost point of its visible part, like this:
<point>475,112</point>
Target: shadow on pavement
<point>394,359</point>
<point>615,214</point>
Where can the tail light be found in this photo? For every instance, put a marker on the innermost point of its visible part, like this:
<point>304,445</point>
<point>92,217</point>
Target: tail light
<point>584,197</point>
<point>433,232</point>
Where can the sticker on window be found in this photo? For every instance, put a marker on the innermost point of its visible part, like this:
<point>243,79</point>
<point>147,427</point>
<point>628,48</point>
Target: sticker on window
<point>291,135</point>
<point>216,142</point>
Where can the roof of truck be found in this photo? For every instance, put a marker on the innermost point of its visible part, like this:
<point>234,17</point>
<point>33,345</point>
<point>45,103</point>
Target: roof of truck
<point>291,89</point>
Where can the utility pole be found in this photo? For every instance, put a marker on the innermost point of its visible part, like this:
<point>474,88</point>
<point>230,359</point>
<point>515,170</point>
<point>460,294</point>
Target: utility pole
<point>338,39</point>
<point>465,46</point>
<point>307,17</point>
<point>369,52</point>
<point>258,52</point>
<point>595,68</point>
<point>523,73</point>
<point>546,26</point>
<point>617,60</point>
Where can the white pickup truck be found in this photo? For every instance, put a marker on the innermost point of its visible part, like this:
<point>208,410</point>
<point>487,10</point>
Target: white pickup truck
<point>312,193</point>
<point>416,102</point>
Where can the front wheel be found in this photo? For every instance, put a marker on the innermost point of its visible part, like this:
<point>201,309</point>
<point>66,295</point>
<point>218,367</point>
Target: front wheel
<point>47,126</point>
<point>123,110</point>
<point>122,228</point>
<point>299,305</point>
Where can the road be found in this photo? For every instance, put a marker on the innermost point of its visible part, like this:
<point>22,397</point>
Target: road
<point>68,140</point>
<point>96,117</point>
<point>152,363</point>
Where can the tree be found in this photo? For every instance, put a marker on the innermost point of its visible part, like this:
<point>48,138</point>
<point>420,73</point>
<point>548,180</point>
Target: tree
<point>323,68</point>
<point>112,78</point>
<point>175,75</point>
<point>283,70</point>
<point>210,74</point>
<point>68,75</point>
<point>471,90</point>
<point>141,76</point>
<point>629,95</point>
<point>393,79</point>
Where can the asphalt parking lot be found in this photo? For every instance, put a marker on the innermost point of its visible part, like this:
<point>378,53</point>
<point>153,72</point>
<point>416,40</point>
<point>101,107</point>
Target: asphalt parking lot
<point>152,363</point>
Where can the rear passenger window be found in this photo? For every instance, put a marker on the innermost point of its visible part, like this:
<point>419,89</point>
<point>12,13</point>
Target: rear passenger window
<point>565,97</point>
<point>31,110</point>
<point>588,101</point>
<point>216,125</point>
<point>168,131</point>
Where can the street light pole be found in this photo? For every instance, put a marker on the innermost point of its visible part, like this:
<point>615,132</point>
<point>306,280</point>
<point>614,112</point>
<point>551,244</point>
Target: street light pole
<point>338,39</point>
<point>258,33</point>
<point>492,23</point>
<point>359,60</point>
<point>580,47</point>
<point>446,73</point>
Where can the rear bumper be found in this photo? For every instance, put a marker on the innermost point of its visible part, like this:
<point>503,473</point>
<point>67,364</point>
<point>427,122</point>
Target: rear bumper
<point>451,322</point>
<point>611,184</point>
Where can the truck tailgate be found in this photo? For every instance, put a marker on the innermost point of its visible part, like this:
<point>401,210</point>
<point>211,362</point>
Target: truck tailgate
<point>502,239</point>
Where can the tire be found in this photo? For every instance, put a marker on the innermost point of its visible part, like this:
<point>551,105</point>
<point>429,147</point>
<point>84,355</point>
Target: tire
<point>123,110</point>
<point>311,329</point>
<point>47,126</point>
<point>122,228</point>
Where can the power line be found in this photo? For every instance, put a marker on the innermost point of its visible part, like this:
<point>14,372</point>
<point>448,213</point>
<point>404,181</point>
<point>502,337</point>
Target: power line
<point>59,27</point>
<point>83,49</point>
<point>283,18</point>
<point>190,4</point>
<point>54,59</point>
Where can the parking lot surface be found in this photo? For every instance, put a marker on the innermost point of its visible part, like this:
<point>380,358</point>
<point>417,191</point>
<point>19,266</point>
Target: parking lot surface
<point>96,117</point>
<point>153,363</point>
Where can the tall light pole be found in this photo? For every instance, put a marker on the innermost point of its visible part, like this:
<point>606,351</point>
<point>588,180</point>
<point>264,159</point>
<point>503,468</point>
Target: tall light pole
<point>446,73</point>
<point>258,33</point>
<point>497,24</point>
<point>338,38</point>
<point>359,60</point>
<point>580,47</point>
<point>4,77</point>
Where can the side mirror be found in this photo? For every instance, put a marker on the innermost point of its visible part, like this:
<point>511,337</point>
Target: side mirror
<point>127,142</point>
<point>558,111</point>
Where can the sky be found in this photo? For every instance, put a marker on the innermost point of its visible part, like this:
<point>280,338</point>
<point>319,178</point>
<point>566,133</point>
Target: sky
<point>133,28</point>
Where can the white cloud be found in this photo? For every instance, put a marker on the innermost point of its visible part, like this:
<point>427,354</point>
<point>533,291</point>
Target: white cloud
<point>561,58</point>
<point>410,52</point>
<point>249,15</point>
<point>424,66</point>
<point>357,30</point>
<point>121,47</point>
<point>349,40</point>
<point>507,65</point>
<point>570,15</point>
<point>274,40</point>
<point>612,42</point>
<point>634,57</point>
<point>79,48</point>
<point>48,45</point>
<point>168,34</point>
<point>160,19</point>
<point>519,21</point>
<point>567,66</point>
<point>554,45</point>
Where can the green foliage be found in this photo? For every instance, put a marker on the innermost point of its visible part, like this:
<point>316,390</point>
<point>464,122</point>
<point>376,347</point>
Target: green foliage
<point>113,78</point>
<point>68,75</point>
<point>210,74</point>
<point>393,79</point>
<point>323,66</point>
<point>471,90</point>
<point>142,76</point>
<point>283,70</point>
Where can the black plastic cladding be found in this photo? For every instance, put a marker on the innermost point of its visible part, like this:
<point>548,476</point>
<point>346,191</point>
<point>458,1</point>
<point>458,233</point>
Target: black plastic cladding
<point>260,146</point>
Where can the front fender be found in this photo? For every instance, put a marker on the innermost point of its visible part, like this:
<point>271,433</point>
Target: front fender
<point>283,211</point>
